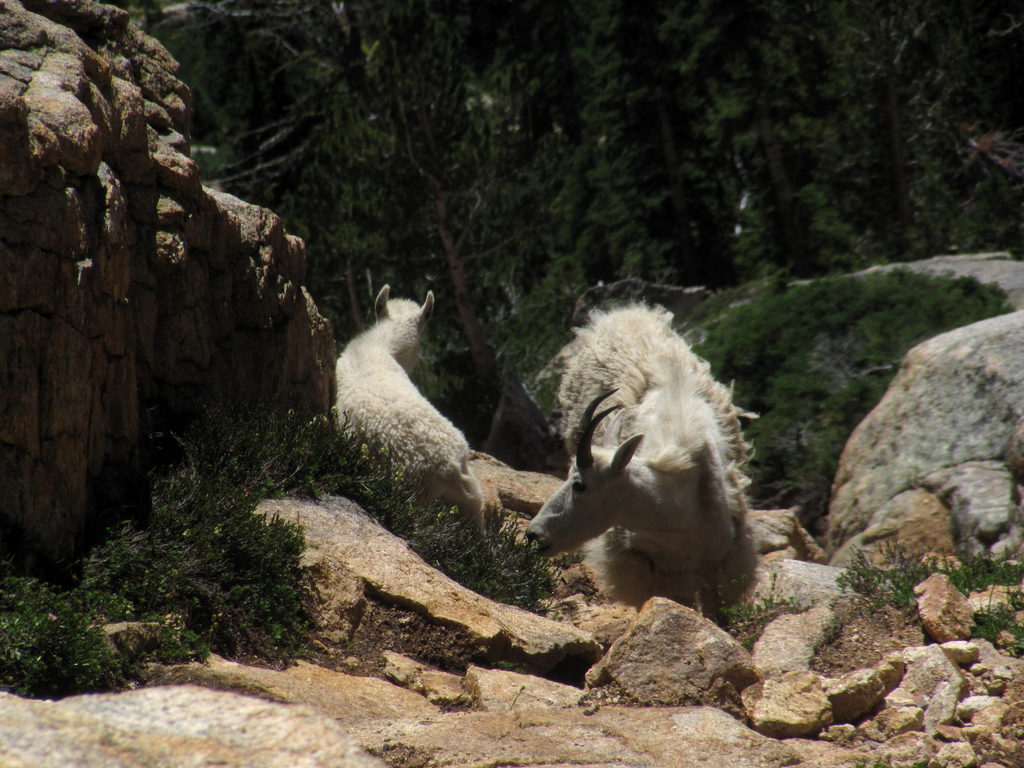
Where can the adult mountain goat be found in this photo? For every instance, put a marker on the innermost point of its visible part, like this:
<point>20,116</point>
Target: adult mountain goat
<point>377,398</point>
<point>655,495</point>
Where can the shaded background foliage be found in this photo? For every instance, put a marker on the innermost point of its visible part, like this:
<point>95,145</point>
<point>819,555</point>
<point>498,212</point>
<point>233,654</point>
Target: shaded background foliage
<point>812,359</point>
<point>509,155</point>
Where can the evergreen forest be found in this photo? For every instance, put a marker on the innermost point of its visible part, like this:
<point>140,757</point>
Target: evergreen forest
<point>508,155</point>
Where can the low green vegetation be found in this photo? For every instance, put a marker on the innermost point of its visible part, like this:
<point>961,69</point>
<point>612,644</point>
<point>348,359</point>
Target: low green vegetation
<point>813,359</point>
<point>893,581</point>
<point>747,621</point>
<point>50,643</point>
<point>212,575</point>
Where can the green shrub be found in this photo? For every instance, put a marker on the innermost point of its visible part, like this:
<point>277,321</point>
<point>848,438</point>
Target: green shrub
<point>294,454</point>
<point>51,644</point>
<point>229,577</point>
<point>894,578</point>
<point>813,359</point>
<point>216,576</point>
<point>493,563</point>
<point>992,624</point>
<point>892,582</point>
<point>233,578</point>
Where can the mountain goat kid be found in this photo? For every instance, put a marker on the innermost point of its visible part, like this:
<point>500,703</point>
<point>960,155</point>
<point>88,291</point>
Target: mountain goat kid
<point>655,496</point>
<point>377,398</point>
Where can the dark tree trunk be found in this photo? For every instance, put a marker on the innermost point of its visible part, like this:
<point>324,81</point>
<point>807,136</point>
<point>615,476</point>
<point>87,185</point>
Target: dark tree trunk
<point>782,190</point>
<point>900,183</point>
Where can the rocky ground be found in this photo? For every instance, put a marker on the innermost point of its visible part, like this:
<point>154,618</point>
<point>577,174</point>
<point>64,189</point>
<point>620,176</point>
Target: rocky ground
<point>411,669</point>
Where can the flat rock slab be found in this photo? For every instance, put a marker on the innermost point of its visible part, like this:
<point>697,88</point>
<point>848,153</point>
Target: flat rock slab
<point>344,537</point>
<point>789,642</point>
<point>681,737</point>
<point>171,727</point>
<point>349,699</point>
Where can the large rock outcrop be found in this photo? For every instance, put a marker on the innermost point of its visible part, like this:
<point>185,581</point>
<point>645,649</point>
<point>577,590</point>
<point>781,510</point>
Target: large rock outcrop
<point>129,293</point>
<point>943,428</point>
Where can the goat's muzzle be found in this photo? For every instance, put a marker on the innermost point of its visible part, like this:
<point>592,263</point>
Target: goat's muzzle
<point>542,541</point>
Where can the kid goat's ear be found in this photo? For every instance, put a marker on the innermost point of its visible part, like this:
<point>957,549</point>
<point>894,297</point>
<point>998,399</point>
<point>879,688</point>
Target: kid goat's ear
<point>625,452</point>
<point>427,309</point>
<point>380,306</point>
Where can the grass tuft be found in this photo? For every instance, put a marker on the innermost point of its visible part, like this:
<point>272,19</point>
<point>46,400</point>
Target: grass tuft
<point>747,621</point>
<point>893,581</point>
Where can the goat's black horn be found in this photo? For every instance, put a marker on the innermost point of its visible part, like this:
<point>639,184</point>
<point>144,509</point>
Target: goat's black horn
<point>584,456</point>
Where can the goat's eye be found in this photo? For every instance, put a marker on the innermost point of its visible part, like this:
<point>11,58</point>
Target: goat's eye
<point>578,486</point>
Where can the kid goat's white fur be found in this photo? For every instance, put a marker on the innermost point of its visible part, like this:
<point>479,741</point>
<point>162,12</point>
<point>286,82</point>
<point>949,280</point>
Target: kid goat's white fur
<point>655,495</point>
<point>377,397</point>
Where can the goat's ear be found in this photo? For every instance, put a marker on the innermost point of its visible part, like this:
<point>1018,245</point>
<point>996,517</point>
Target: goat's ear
<point>625,452</point>
<point>712,492</point>
<point>380,306</point>
<point>427,309</point>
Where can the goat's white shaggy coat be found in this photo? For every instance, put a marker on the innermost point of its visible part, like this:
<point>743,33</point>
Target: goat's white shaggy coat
<point>662,509</point>
<point>377,398</point>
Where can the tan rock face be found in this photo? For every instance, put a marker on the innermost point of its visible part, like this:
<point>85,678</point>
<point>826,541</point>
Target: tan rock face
<point>128,292</point>
<point>681,737</point>
<point>932,682</point>
<point>605,621</point>
<point>892,721</point>
<point>909,749</point>
<point>348,699</point>
<point>506,488</point>
<point>345,542</point>
<point>858,692</point>
<point>792,705</point>
<point>671,654</point>
<point>442,689</point>
<point>800,583</point>
<point>917,521</point>
<point>789,642</point>
<point>172,726</point>
<point>498,690</point>
<point>777,534</point>
<point>956,755</point>
<point>946,613</point>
